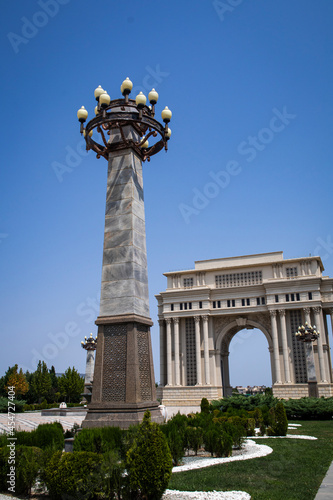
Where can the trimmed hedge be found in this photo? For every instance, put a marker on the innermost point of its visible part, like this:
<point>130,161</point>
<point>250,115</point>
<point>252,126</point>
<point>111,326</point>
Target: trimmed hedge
<point>45,436</point>
<point>309,408</point>
<point>100,440</point>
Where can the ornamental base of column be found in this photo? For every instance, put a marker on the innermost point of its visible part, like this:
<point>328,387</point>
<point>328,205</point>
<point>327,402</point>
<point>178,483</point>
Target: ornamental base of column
<point>186,399</point>
<point>124,382</point>
<point>122,416</point>
<point>297,391</point>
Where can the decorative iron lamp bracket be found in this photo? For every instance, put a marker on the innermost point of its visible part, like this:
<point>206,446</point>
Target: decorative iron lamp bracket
<point>118,115</point>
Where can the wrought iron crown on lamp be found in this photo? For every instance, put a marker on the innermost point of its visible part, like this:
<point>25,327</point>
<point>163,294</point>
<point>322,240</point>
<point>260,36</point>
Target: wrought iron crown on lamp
<point>90,343</point>
<point>307,333</point>
<point>113,116</point>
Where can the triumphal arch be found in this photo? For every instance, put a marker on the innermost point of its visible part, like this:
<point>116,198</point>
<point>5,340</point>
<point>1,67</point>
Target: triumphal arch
<point>203,308</point>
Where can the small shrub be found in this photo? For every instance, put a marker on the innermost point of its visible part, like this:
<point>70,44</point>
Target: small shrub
<point>113,473</point>
<point>223,445</point>
<point>149,462</point>
<point>29,460</point>
<point>211,437</point>
<point>204,405</point>
<point>49,436</point>
<point>77,475</point>
<point>175,442</point>
<point>194,437</point>
<point>279,424</point>
<point>4,453</point>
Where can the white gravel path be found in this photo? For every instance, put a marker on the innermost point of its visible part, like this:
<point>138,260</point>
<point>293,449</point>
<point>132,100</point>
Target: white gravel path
<point>200,495</point>
<point>250,450</point>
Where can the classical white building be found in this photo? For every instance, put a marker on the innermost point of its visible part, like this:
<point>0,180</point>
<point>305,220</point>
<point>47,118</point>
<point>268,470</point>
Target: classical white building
<point>203,308</point>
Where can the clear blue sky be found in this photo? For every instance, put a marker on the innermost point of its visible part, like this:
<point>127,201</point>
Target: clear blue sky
<point>225,73</point>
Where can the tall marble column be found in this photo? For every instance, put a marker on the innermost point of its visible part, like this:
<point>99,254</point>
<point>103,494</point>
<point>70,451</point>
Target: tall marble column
<point>176,339</point>
<point>206,349</point>
<point>162,343</point>
<point>283,325</point>
<point>198,349</point>
<point>169,351</point>
<point>319,326</point>
<point>124,382</point>
<point>276,349</point>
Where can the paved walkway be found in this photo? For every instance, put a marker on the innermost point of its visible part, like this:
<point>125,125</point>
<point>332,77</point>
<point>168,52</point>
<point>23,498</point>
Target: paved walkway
<point>325,491</point>
<point>28,421</point>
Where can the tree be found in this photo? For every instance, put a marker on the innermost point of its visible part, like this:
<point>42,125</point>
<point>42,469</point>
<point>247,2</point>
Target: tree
<point>41,381</point>
<point>71,384</point>
<point>18,380</point>
<point>4,380</point>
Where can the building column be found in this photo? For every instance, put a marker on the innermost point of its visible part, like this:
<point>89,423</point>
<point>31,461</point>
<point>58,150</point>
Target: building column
<point>162,374</point>
<point>331,314</point>
<point>227,391</point>
<point>307,316</point>
<point>169,354</point>
<point>276,349</point>
<point>283,325</point>
<point>176,340</point>
<point>317,314</point>
<point>218,368</point>
<point>198,349</point>
<point>206,349</point>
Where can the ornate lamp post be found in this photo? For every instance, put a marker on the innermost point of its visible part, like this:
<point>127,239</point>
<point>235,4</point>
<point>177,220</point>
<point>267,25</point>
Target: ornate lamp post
<point>115,117</point>
<point>124,382</point>
<point>90,345</point>
<point>308,334</point>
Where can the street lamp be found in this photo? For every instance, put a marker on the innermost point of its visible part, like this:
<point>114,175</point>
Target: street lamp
<point>308,334</point>
<point>90,345</point>
<point>126,133</point>
<point>113,117</point>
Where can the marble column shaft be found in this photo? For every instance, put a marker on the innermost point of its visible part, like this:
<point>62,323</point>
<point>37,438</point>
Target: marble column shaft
<point>176,340</point>
<point>283,324</point>
<point>276,347</point>
<point>198,349</point>
<point>206,349</point>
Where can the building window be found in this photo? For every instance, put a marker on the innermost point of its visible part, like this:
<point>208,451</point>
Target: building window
<point>276,298</point>
<point>291,272</point>
<point>181,306</point>
<point>233,302</point>
<point>292,297</point>
<point>200,305</point>
<point>190,305</point>
<point>219,304</point>
<point>185,305</point>
<point>298,351</point>
<point>171,307</point>
<point>287,297</point>
<point>191,364</point>
<point>247,302</point>
<point>258,301</point>
<point>297,296</point>
<point>243,302</point>
<point>310,295</point>
<point>188,282</point>
<point>214,304</point>
<point>263,301</point>
<point>238,279</point>
<point>228,303</point>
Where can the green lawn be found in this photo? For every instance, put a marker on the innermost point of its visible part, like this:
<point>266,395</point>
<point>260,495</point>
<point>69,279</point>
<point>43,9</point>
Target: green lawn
<point>293,471</point>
